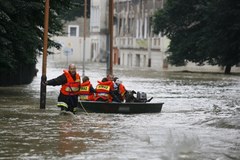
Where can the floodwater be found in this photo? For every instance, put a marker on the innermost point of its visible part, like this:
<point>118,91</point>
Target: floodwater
<point>200,120</point>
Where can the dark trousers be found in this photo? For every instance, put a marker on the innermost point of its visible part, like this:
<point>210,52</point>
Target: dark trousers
<point>71,101</point>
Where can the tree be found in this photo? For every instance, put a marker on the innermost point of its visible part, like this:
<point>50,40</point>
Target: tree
<point>77,10</point>
<point>201,31</point>
<point>21,35</point>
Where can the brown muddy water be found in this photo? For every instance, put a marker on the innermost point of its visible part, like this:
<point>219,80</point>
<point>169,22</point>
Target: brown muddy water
<point>200,120</point>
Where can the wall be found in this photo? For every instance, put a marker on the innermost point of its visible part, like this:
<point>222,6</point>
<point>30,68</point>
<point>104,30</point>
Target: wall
<point>72,49</point>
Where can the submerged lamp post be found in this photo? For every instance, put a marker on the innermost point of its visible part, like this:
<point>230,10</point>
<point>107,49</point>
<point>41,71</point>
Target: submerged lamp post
<point>110,28</point>
<point>84,36</point>
<point>44,60</point>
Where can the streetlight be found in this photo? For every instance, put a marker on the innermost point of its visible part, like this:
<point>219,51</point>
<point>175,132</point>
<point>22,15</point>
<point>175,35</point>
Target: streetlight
<point>110,28</point>
<point>84,35</point>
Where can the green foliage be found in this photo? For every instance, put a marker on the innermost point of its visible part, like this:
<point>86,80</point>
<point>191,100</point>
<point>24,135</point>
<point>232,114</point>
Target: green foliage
<point>21,35</point>
<point>201,31</point>
<point>77,10</point>
<point>22,27</point>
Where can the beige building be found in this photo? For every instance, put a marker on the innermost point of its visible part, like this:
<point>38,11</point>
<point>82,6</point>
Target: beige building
<point>135,42</point>
<point>99,30</point>
<point>75,47</point>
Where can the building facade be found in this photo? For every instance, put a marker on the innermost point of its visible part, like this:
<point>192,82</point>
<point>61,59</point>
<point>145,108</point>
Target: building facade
<point>99,30</point>
<point>75,47</point>
<point>134,43</point>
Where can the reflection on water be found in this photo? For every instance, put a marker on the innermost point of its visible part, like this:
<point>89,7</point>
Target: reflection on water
<point>29,133</point>
<point>199,120</point>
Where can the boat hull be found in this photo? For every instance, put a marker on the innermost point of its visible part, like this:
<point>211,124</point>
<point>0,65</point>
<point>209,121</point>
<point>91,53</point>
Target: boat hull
<point>126,108</point>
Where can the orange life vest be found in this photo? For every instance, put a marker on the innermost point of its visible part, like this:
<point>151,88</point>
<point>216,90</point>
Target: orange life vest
<point>71,87</point>
<point>84,93</point>
<point>122,91</point>
<point>103,89</point>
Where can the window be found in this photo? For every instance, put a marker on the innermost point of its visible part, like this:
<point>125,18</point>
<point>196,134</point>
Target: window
<point>138,60</point>
<point>73,31</point>
<point>95,18</point>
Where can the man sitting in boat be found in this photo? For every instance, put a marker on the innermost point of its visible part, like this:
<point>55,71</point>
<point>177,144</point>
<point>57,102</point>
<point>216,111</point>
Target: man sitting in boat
<point>119,89</point>
<point>110,77</point>
<point>105,91</point>
<point>87,91</point>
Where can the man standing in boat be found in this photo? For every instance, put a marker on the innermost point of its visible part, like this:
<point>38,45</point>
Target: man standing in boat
<point>71,82</point>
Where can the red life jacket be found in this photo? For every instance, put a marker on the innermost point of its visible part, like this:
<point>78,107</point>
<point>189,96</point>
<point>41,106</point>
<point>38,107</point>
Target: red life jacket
<point>71,87</point>
<point>122,91</point>
<point>84,93</point>
<point>103,89</point>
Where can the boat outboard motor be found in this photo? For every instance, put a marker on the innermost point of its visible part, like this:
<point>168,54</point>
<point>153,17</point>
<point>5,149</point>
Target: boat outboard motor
<point>141,96</point>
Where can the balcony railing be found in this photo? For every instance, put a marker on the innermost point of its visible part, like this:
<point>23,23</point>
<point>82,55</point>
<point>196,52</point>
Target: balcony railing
<point>137,43</point>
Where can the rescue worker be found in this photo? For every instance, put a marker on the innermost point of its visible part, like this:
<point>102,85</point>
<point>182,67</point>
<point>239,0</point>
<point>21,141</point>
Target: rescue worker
<point>110,77</point>
<point>86,92</point>
<point>103,90</point>
<point>71,82</point>
<point>119,89</point>
<point>114,94</point>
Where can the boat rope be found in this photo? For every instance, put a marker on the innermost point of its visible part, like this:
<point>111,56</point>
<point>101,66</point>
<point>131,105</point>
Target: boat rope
<point>80,102</point>
<point>83,107</point>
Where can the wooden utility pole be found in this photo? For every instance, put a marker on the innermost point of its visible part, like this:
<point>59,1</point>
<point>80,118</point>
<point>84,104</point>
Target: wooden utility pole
<point>44,60</point>
<point>110,27</point>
